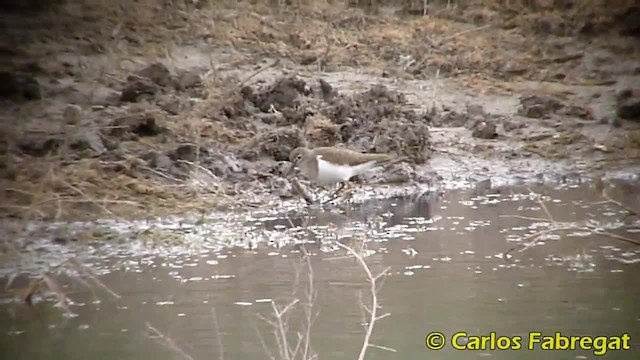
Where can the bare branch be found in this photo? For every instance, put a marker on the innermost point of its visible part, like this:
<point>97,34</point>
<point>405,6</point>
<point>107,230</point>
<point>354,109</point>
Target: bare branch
<point>168,342</point>
<point>524,217</point>
<point>218,335</point>
<point>374,298</point>
<point>91,275</point>
<point>611,200</point>
<point>301,190</point>
<point>542,205</point>
<point>383,348</point>
<point>564,226</point>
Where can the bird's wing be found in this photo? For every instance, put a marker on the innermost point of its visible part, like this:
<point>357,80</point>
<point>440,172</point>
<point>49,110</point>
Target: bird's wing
<point>341,156</point>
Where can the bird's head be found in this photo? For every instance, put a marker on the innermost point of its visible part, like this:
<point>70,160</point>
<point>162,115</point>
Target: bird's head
<point>295,156</point>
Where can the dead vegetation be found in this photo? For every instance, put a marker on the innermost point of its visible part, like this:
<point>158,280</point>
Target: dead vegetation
<point>589,226</point>
<point>52,284</point>
<point>291,323</point>
<point>157,138</point>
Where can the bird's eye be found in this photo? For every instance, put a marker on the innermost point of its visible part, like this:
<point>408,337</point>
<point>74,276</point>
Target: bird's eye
<point>299,157</point>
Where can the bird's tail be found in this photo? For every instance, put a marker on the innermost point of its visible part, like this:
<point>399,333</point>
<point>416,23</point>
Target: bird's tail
<point>386,160</point>
<point>378,157</point>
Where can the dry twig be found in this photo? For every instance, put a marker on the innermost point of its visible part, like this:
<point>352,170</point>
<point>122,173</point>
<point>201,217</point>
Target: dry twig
<point>218,335</point>
<point>565,226</point>
<point>91,275</point>
<point>301,190</point>
<point>373,311</point>
<point>168,342</point>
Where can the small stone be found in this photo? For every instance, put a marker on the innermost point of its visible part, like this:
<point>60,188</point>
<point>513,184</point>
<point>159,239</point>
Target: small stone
<point>485,130</point>
<point>72,114</point>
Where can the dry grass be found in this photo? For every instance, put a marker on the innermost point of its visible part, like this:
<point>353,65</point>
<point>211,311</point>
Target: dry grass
<point>336,34</point>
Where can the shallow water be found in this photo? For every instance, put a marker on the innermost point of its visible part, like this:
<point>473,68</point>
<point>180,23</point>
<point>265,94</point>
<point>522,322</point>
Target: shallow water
<point>447,274</point>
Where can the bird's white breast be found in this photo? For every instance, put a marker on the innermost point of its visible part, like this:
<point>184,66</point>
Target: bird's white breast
<point>329,173</point>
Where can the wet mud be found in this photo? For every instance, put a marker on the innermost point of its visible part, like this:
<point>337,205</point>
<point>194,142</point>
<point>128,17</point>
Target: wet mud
<point>117,129</point>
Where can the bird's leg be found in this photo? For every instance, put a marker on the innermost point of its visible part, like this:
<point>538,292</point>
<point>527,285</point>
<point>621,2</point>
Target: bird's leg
<point>337,192</point>
<point>348,192</point>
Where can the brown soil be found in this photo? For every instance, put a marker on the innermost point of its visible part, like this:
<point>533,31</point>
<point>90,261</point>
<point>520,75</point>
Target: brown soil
<point>130,110</point>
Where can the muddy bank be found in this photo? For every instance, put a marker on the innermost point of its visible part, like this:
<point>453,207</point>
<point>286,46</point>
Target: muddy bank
<point>106,125</point>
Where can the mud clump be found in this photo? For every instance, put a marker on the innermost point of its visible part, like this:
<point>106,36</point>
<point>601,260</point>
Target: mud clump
<point>157,73</point>
<point>19,86</point>
<point>628,22</point>
<point>186,159</point>
<point>157,78</point>
<point>484,130</point>
<point>281,95</point>
<point>88,139</point>
<point>628,104</point>
<point>379,120</point>
<point>38,146</point>
<point>578,112</point>
<point>134,126</point>
<point>276,144</point>
<point>136,87</point>
<point>297,114</point>
<point>157,160</point>
<point>30,6</point>
<point>450,118</point>
<point>539,106</point>
<point>185,152</point>
<point>369,106</point>
<point>321,131</point>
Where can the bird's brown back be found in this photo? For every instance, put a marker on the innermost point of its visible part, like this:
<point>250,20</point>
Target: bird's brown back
<point>345,156</point>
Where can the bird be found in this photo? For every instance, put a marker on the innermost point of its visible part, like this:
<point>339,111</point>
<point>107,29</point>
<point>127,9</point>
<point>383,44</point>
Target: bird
<point>330,165</point>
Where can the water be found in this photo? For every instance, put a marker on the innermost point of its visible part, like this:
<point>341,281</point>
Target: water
<point>447,274</point>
